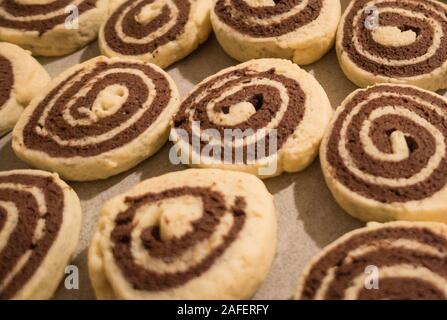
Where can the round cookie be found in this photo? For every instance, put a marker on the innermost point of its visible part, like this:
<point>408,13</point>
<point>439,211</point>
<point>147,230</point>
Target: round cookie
<point>394,41</point>
<point>156,31</point>
<point>384,156</point>
<point>193,234</point>
<point>21,78</point>
<point>391,261</point>
<point>51,27</point>
<point>299,30</point>
<point>40,222</point>
<point>263,116</point>
<point>97,119</point>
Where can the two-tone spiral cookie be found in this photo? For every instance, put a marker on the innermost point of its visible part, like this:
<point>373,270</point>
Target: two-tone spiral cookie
<point>156,31</point>
<point>97,119</point>
<point>51,27</point>
<point>40,221</point>
<point>384,156</point>
<point>394,41</point>
<point>391,261</point>
<point>299,30</point>
<point>263,116</point>
<point>21,78</point>
<point>193,234</point>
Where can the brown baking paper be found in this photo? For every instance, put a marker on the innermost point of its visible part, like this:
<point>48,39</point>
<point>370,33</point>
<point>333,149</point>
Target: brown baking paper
<point>308,217</point>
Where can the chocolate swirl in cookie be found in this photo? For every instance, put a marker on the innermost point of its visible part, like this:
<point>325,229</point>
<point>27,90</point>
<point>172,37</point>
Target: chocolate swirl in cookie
<point>409,260</point>
<point>169,254</point>
<point>395,38</point>
<point>75,119</point>
<point>39,17</point>
<point>270,20</point>
<point>129,32</point>
<point>388,143</point>
<point>31,213</point>
<point>244,99</point>
<point>6,80</point>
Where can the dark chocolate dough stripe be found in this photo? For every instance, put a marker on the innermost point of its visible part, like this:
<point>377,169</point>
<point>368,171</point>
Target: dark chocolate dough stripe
<point>394,287</point>
<point>236,14</point>
<point>19,10</point>
<point>66,90</point>
<point>266,100</point>
<point>133,29</point>
<point>6,80</point>
<point>21,238</point>
<point>214,208</point>
<point>424,31</point>
<point>421,143</point>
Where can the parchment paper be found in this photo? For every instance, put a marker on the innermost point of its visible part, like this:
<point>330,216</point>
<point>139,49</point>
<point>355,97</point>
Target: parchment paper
<point>308,217</point>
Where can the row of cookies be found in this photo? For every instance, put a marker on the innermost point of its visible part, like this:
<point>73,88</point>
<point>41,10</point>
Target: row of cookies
<point>396,120</point>
<point>402,144</point>
<point>399,41</point>
<point>199,234</point>
<point>383,153</point>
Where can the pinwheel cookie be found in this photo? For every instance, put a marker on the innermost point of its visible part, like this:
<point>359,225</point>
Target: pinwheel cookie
<point>21,78</point>
<point>300,30</point>
<point>391,261</point>
<point>157,31</point>
<point>394,41</point>
<point>51,27</point>
<point>384,155</point>
<point>97,119</point>
<point>194,234</point>
<point>264,117</point>
<point>40,221</point>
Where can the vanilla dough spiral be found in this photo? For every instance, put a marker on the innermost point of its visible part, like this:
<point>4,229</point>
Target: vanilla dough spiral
<point>397,41</point>
<point>384,156</point>
<point>97,119</point>
<point>276,111</point>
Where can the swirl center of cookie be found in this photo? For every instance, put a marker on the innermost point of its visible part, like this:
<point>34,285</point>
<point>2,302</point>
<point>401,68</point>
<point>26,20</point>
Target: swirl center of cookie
<point>98,109</point>
<point>407,39</point>
<point>248,103</point>
<point>389,143</point>
<point>140,27</point>
<point>149,12</point>
<point>393,36</point>
<point>178,233</point>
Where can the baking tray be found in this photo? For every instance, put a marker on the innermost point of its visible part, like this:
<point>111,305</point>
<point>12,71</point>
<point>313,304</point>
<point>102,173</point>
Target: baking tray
<point>308,217</point>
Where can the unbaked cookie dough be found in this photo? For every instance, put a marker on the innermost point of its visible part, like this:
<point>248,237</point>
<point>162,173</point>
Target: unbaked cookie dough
<point>193,234</point>
<point>391,261</point>
<point>40,222</point>
<point>394,41</point>
<point>51,27</point>
<point>157,31</point>
<point>299,30</point>
<point>97,119</point>
<point>21,78</point>
<point>384,156</point>
<point>263,116</point>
